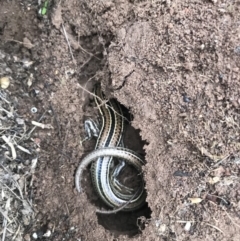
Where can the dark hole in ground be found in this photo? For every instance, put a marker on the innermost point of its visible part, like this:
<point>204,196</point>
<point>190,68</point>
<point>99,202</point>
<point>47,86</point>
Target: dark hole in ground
<point>122,222</point>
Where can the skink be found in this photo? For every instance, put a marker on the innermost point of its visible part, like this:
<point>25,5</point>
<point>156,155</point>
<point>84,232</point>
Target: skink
<point>122,153</point>
<point>110,135</point>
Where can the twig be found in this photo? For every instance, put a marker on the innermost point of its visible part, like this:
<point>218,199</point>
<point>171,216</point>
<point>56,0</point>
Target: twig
<point>57,121</point>
<point>69,46</point>
<point>34,163</point>
<point>232,219</point>
<point>12,191</point>
<point>103,102</point>
<point>88,52</point>
<point>67,208</point>
<point>30,132</point>
<point>15,235</point>
<point>43,126</point>
<point>86,62</point>
<point>219,162</point>
<point>89,92</point>
<point>215,227</point>
<point>182,221</point>
<point>9,113</point>
<point>5,228</point>
<point>4,98</point>
<point>10,144</point>
<point>84,88</point>
<point>23,149</point>
<point>64,142</point>
<point>5,215</point>
<point>13,40</point>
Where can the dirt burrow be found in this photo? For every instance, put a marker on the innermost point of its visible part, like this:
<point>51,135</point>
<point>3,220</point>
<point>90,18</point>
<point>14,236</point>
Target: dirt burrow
<point>174,65</point>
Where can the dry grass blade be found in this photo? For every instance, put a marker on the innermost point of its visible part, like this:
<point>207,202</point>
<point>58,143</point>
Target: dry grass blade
<point>23,149</point>
<point>5,229</point>
<point>68,43</point>
<point>2,97</point>
<point>17,232</point>
<point>213,226</point>
<point>232,220</point>
<point>103,102</point>
<point>5,215</point>
<point>12,192</point>
<point>41,125</point>
<point>28,135</point>
<point>7,112</point>
<point>34,163</point>
<point>10,144</point>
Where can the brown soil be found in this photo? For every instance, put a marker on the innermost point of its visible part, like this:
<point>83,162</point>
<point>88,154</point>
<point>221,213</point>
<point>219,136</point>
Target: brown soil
<point>175,66</point>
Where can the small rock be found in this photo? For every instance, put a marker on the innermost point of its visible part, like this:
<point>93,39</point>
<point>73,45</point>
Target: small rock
<point>237,160</point>
<point>27,63</point>
<point>186,99</point>
<point>237,50</point>
<point>8,70</point>
<point>187,226</point>
<point>47,234</point>
<point>195,200</point>
<point>34,235</point>
<point>20,121</point>
<point>163,228</point>
<point>4,82</point>
<point>27,237</point>
<point>214,180</point>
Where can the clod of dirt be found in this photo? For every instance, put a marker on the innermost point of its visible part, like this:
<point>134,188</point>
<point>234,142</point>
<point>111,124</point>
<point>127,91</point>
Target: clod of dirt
<point>27,43</point>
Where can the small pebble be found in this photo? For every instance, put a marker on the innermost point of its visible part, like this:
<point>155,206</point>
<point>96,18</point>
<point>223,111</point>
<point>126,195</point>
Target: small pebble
<point>220,76</point>
<point>47,234</point>
<point>27,237</point>
<point>20,121</point>
<point>237,50</point>
<point>187,226</point>
<point>237,160</point>
<point>35,236</point>
<point>4,82</point>
<point>186,99</point>
<point>8,70</point>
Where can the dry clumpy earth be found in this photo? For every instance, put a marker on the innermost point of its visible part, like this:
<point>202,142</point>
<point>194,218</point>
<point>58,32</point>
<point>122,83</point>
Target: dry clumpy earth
<point>176,66</point>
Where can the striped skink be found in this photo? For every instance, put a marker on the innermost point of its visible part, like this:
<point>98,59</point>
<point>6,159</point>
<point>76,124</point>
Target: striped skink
<point>118,152</point>
<point>107,146</point>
